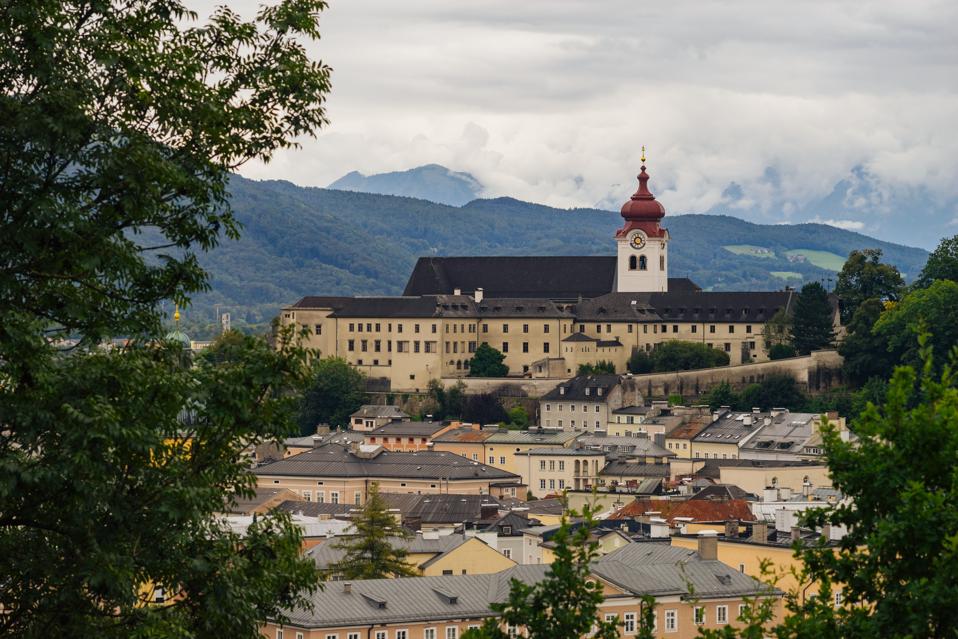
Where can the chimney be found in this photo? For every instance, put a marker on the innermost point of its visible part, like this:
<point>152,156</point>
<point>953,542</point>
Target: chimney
<point>770,494</point>
<point>784,493</point>
<point>731,529</point>
<point>347,587</point>
<point>747,420</point>
<point>759,532</point>
<point>756,410</point>
<point>708,545</point>
<point>796,533</point>
<point>827,532</point>
<point>316,440</point>
<point>457,291</point>
<point>478,295</point>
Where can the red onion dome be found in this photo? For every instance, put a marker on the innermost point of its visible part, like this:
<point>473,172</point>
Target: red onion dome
<point>642,206</point>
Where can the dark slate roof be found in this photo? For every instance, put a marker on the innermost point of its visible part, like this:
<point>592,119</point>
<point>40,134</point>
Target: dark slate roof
<point>492,307</point>
<point>575,388</point>
<point>322,301</point>
<point>424,306</point>
<point>337,461</point>
<point>315,509</point>
<point>632,307</point>
<point>633,469</point>
<point>454,509</point>
<point>551,277</point>
<point>748,306</point>
<point>516,521</point>
<point>579,337</point>
<point>378,411</point>
<point>721,491</point>
<point>418,429</point>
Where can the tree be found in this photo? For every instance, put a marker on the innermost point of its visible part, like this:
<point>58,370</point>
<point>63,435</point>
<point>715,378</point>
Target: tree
<point>812,327</point>
<point>484,408</point>
<point>121,123</point>
<point>337,391</point>
<point>777,331</point>
<point>720,395</point>
<point>640,362</point>
<point>599,368</point>
<point>676,355</point>
<point>864,351</point>
<point>487,362</point>
<point>447,402</point>
<point>921,310</point>
<point>369,554</point>
<point>518,417</point>
<point>898,561</point>
<point>781,351</point>
<point>942,264</point>
<point>864,277</point>
<point>564,605</point>
<point>777,390</point>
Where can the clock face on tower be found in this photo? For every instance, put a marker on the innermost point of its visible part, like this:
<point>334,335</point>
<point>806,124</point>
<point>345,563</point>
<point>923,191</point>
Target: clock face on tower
<point>637,240</point>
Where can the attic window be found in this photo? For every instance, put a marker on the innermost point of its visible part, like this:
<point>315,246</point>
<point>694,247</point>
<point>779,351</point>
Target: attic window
<point>599,392</point>
<point>447,597</point>
<point>375,601</point>
<point>587,390</point>
<point>725,580</point>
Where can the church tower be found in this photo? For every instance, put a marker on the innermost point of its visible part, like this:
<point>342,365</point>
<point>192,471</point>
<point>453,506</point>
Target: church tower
<point>643,245</point>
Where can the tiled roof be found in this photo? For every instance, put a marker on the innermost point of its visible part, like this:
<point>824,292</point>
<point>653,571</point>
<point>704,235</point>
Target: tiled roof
<point>418,429</point>
<point>464,435</point>
<point>697,510</point>
<point>411,307</point>
<point>627,445</point>
<point>637,568</point>
<point>492,307</point>
<point>576,389</point>
<point>376,411</point>
<point>337,461</point>
<point>558,438</point>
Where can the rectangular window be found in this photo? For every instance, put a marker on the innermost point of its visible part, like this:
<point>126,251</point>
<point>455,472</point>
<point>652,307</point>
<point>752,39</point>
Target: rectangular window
<point>351,345</point>
<point>382,634</point>
<point>721,614</point>
<point>628,625</point>
<point>545,347</point>
<point>525,347</point>
<point>429,633</point>
<point>728,347</point>
<point>433,328</point>
<point>351,327</point>
<point>402,634</point>
<point>665,328</point>
<point>695,329</point>
<point>492,459</point>
<point>552,484</point>
<point>671,620</point>
<point>399,328</point>
<point>505,328</point>
<point>416,346</point>
<point>318,329</point>
<point>505,347</point>
<point>352,635</point>
<point>711,328</point>
<point>485,328</point>
<point>675,328</point>
<point>731,328</point>
<point>838,598</point>
<point>645,328</point>
<point>475,457</point>
<point>334,497</point>
<point>452,632</point>
<point>415,328</point>
<point>698,615</point>
<point>561,464</point>
<point>332,636</point>
<point>279,634</point>
<point>748,328</point>
<point>561,484</point>
<point>525,328</point>
<point>545,328</point>
<point>378,345</point>
<point>502,460</point>
<point>358,498</point>
<point>598,328</point>
<point>542,484</point>
<point>552,464</point>
<point>741,611</point>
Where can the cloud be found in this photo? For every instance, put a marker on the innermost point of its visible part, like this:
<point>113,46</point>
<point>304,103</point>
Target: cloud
<point>551,102</point>
<point>848,225</point>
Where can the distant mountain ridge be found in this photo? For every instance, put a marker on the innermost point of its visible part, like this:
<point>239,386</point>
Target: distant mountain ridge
<point>300,241</point>
<point>429,182</point>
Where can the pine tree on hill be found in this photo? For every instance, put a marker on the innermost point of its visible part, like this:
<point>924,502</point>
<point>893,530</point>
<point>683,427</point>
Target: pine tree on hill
<point>369,554</point>
<point>812,327</point>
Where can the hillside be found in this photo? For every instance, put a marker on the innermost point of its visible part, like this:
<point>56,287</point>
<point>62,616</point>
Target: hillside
<point>298,241</point>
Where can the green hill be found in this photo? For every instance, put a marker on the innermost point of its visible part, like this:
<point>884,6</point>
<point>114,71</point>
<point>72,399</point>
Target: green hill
<point>298,241</point>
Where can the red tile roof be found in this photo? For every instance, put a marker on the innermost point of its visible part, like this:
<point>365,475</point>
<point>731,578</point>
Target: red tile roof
<point>697,509</point>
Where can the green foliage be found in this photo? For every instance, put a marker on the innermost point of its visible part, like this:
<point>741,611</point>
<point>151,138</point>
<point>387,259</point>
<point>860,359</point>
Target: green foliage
<point>864,351</point>
<point>518,417</point>
<point>369,553</point>
<point>812,327</point>
<point>640,362</point>
<point>923,309</point>
<point>777,390</point>
<point>484,408</point>
<point>120,124</point>
<point>447,403</point>
<point>487,362</point>
<point>675,400</point>
<point>599,368</point>
<point>781,351</point>
<point>778,331</point>
<point>897,562</point>
<point>565,604</point>
<point>676,355</point>
<point>720,395</point>
<point>942,264</point>
<point>336,391</point>
<point>866,277</point>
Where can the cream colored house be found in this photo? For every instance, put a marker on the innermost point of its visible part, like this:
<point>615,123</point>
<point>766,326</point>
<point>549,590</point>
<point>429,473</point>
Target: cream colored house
<point>552,470</point>
<point>586,402</point>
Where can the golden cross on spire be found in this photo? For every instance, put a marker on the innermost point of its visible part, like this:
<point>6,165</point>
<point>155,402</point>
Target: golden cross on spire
<point>176,313</point>
<point>643,154</point>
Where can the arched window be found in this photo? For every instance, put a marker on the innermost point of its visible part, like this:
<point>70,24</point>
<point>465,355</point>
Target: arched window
<point>643,263</point>
<point>458,364</point>
<point>632,262</point>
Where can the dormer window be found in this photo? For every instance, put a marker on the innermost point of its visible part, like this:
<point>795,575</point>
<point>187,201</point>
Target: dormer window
<point>562,390</point>
<point>599,392</point>
<point>587,391</point>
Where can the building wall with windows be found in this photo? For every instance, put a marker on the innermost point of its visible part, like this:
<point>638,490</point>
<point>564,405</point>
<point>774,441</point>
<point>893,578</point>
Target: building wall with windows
<point>354,490</point>
<point>550,470</point>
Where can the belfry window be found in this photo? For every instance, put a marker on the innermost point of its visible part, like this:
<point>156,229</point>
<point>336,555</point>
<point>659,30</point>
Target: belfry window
<point>643,263</point>
<point>633,262</point>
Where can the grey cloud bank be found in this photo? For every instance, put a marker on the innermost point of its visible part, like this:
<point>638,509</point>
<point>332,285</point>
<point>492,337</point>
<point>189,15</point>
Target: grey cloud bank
<point>773,111</point>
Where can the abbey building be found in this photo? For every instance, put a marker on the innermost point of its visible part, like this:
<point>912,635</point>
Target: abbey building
<point>547,315</point>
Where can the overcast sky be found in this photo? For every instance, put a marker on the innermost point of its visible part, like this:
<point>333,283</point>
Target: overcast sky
<point>551,101</point>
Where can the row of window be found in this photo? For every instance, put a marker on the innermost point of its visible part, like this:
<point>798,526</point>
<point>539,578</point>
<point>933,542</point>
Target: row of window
<point>375,327</point>
<point>333,496</point>
<point>552,484</point>
<point>585,423</point>
<point>585,407</point>
<point>694,328</point>
<point>671,618</point>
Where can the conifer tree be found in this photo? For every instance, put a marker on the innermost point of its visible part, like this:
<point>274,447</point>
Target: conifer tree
<point>487,362</point>
<point>812,320</point>
<point>369,554</point>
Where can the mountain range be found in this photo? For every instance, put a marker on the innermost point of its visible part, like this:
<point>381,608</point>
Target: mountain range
<point>430,182</point>
<point>300,241</point>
